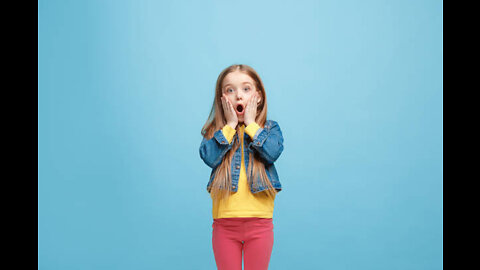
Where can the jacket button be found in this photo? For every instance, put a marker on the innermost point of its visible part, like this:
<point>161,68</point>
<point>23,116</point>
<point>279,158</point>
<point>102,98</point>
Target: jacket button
<point>233,186</point>
<point>238,167</point>
<point>258,143</point>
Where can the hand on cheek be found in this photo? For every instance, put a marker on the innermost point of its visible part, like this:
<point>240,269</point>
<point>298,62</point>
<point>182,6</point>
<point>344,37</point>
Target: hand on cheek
<point>229,112</point>
<point>251,110</point>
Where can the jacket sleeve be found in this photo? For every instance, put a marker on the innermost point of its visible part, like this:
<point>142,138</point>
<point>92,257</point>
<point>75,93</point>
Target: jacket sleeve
<point>212,151</point>
<point>267,142</point>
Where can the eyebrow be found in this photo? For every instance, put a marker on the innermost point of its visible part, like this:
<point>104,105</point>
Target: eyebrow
<point>230,84</point>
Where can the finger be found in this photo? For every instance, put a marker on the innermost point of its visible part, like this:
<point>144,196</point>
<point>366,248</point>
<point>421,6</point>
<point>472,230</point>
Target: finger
<point>227,104</point>
<point>248,104</point>
<point>234,114</point>
<point>224,105</point>
<point>230,106</point>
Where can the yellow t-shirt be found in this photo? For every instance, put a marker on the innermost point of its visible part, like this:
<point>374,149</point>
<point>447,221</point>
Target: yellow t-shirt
<point>243,203</point>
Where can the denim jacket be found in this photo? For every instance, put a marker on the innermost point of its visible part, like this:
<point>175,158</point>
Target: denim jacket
<point>267,142</point>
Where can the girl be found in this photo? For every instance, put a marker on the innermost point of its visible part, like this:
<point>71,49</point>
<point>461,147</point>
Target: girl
<point>242,202</point>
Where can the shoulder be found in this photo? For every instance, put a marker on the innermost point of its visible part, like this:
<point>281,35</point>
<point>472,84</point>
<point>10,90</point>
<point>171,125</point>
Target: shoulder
<point>269,123</point>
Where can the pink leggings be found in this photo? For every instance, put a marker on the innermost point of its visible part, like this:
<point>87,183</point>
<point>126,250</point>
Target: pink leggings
<point>252,235</point>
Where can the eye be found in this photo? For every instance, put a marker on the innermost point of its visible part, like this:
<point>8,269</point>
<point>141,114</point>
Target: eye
<point>228,90</point>
<point>247,88</point>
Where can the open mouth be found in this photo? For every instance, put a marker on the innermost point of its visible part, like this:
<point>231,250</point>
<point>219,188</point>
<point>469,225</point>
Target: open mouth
<point>239,108</point>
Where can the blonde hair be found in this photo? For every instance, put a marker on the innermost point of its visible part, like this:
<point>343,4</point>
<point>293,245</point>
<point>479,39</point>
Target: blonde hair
<point>216,121</point>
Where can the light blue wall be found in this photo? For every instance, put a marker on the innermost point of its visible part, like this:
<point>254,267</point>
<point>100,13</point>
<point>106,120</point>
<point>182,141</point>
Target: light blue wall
<point>124,88</point>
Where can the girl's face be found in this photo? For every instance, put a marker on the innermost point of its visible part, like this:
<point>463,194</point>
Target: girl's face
<point>238,87</point>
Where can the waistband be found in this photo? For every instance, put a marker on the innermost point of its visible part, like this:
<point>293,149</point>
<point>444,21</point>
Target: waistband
<point>240,219</point>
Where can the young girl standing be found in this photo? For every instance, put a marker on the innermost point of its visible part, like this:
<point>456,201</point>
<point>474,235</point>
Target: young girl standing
<point>241,146</point>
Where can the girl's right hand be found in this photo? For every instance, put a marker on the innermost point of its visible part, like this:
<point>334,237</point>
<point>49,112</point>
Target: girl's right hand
<point>229,112</point>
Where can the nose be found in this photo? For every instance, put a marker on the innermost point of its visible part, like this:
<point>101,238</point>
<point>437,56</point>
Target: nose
<point>239,95</point>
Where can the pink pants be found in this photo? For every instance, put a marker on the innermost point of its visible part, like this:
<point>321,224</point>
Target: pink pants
<point>253,236</point>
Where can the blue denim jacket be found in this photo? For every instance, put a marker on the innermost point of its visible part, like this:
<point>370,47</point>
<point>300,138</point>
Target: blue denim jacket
<point>267,142</point>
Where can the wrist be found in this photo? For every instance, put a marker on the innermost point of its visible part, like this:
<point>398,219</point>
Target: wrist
<point>248,122</point>
<point>233,125</point>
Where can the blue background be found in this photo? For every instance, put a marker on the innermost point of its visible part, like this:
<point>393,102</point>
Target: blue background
<point>125,87</point>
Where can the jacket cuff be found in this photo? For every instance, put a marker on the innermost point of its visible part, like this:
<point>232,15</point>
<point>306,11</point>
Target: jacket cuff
<point>252,129</point>
<point>228,132</point>
<point>259,138</point>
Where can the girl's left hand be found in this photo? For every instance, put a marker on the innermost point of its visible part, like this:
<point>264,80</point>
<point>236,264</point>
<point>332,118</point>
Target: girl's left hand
<point>251,110</point>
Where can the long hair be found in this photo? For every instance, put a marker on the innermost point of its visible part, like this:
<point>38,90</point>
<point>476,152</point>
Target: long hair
<point>217,120</point>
